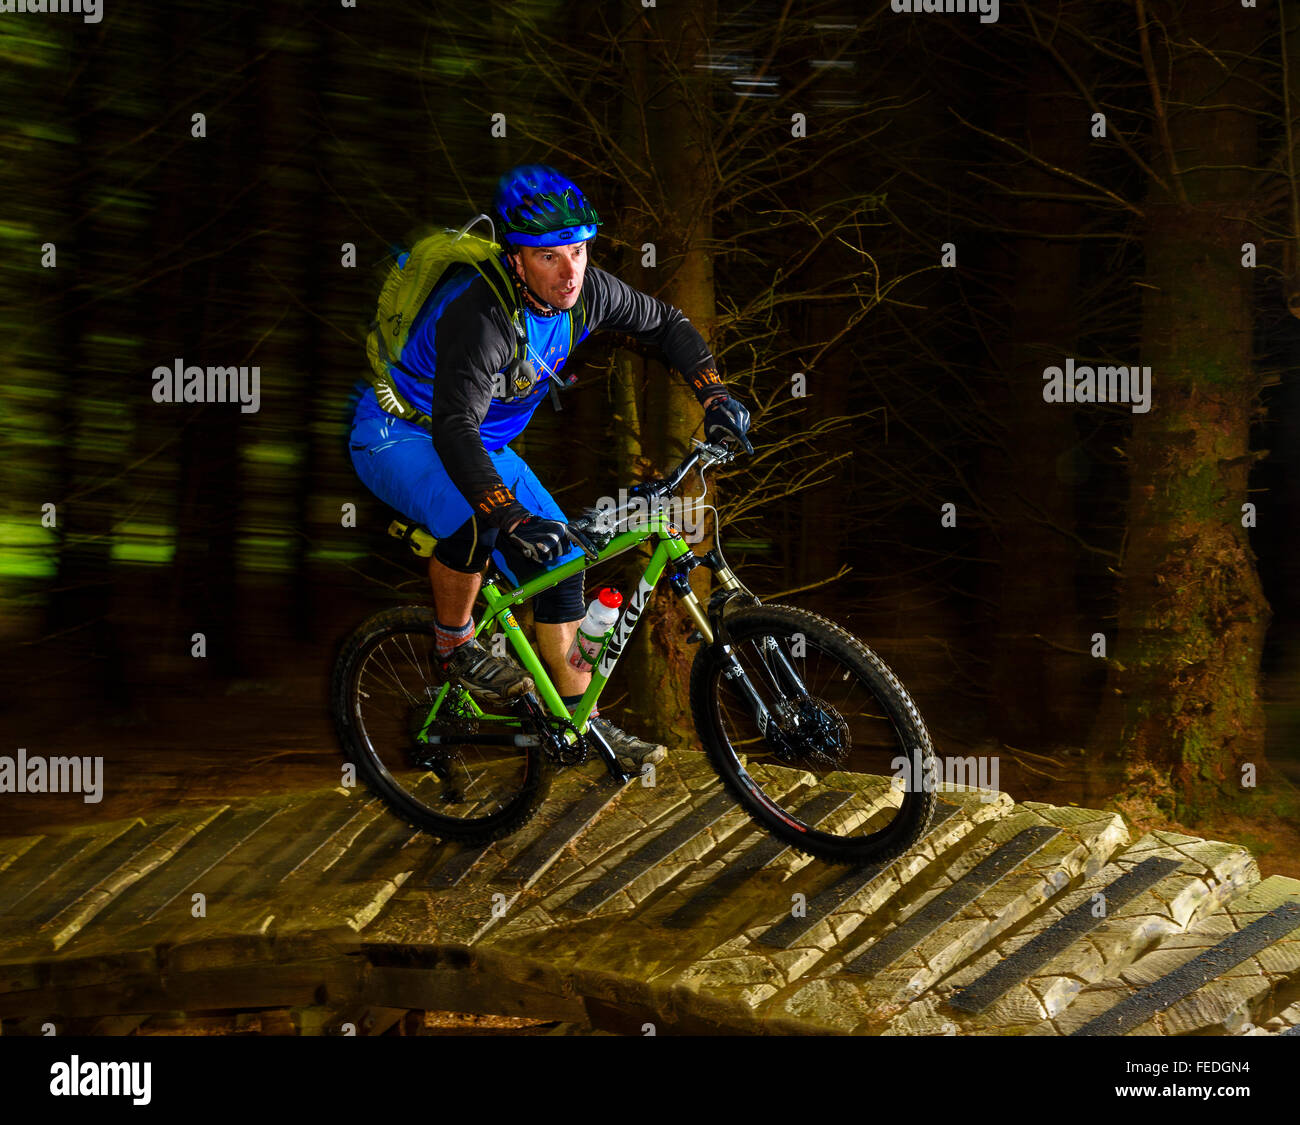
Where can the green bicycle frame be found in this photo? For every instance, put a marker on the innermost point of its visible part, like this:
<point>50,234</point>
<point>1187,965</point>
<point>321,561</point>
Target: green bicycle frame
<point>669,547</point>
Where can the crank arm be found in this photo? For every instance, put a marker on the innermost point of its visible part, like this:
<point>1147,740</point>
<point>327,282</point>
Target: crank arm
<point>608,756</point>
<point>529,707</point>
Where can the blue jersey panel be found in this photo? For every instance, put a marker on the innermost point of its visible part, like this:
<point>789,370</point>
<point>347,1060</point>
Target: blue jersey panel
<point>548,348</point>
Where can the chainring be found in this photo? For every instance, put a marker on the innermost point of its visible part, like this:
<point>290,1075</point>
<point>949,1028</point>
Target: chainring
<point>558,748</point>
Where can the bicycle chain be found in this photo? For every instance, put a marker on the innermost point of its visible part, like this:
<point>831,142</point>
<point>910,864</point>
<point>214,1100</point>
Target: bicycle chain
<point>454,721</point>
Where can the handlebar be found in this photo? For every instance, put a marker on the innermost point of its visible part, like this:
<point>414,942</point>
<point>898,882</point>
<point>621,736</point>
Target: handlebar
<point>704,456</point>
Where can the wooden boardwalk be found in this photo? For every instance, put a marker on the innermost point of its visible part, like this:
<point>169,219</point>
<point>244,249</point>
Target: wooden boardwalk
<point>619,907</point>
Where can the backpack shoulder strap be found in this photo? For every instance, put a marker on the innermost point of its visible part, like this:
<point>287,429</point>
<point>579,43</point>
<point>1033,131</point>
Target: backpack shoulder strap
<point>485,257</point>
<point>577,320</point>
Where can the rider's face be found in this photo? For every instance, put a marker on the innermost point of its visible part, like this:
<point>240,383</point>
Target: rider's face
<point>555,272</point>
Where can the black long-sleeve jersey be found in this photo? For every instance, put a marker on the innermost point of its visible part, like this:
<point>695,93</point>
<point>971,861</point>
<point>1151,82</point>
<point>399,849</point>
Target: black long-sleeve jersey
<point>464,338</point>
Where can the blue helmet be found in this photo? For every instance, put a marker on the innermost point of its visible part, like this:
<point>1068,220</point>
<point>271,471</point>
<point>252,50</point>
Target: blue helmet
<point>540,207</point>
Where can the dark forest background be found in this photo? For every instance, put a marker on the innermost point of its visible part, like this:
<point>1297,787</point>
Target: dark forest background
<point>907,217</point>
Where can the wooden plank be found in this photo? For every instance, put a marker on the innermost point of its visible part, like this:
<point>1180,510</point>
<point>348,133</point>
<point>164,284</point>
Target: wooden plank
<point>42,867</point>
<point>100,867</point>
<point>946,906</point>
<point>150,898</point>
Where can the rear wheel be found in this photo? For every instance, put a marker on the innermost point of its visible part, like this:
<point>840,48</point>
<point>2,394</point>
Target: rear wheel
<point>386,681</point>
<point>838,762</point>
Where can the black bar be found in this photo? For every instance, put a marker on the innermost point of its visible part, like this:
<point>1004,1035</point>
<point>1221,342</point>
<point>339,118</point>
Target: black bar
<point>1059,936</point>
<point>987,873</point>
<point>1199,971</point>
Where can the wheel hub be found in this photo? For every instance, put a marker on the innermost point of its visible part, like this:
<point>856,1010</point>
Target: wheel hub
<point>811,731</point>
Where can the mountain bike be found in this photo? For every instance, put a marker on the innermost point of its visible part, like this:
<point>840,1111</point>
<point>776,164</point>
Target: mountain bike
<point>809,730</point>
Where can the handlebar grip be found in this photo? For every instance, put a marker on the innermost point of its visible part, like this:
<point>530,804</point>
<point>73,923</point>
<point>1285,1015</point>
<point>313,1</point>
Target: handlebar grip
<point>650,489</point>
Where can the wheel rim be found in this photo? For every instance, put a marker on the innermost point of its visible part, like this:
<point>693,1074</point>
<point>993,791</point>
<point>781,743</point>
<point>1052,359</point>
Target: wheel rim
<point>394,688</point>
<point>839,744</point>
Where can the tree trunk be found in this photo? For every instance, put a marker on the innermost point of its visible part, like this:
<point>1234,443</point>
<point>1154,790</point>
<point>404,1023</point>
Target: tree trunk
<point>672,413</point>
<point>97,407</point>
<point>1035,686</point>
<point>208,522</point>
<point>1183,707</point>
<point>299,347</point>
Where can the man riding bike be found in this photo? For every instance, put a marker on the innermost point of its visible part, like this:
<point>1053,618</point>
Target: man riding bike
<point>474,493</point>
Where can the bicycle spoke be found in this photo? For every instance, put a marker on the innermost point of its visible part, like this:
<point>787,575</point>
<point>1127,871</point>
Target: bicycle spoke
<point>394,676</point>
<point>825,721</point>
<point>396,690</point>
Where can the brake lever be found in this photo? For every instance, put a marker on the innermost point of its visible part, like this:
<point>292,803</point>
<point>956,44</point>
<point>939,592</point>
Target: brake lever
<point>714,453</point>
<point>582,541</point>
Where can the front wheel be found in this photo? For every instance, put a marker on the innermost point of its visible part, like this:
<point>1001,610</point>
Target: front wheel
<point>814,735</point>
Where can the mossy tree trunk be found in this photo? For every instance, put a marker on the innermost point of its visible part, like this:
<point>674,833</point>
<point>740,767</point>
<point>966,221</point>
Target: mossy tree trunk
<point>1182,709</point>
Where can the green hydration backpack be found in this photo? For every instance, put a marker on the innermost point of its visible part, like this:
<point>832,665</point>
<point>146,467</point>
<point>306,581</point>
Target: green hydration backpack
<point>405,290</point>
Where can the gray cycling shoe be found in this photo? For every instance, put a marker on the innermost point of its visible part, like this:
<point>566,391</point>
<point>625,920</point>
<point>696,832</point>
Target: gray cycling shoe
<point>482,674</point>
<point>627,748</point>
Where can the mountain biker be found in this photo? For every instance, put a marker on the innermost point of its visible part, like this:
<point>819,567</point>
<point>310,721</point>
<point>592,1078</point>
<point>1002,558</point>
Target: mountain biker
<point>474,493</point>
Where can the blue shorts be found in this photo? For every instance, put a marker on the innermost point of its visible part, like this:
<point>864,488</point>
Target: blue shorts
<point>396,460</point>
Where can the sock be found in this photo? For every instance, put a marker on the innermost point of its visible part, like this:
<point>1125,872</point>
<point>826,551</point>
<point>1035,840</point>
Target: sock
<point>450,637</point>
<point>571,701</point>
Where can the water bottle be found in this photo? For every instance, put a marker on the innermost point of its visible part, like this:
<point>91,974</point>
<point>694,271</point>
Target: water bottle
<point>595,627</point>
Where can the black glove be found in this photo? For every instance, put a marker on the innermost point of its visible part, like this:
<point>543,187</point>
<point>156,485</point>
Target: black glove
<point>727,418</point>
<point>538,540</point>
<point>591,530</point>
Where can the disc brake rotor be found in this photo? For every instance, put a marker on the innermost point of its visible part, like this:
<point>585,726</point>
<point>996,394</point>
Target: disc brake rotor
<point>819,736</point>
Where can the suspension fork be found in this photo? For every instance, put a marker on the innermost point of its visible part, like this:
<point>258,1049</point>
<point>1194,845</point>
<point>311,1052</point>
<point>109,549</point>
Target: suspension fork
<point>733,672</point>
<point>794,684</point>
<point>770,651</point>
